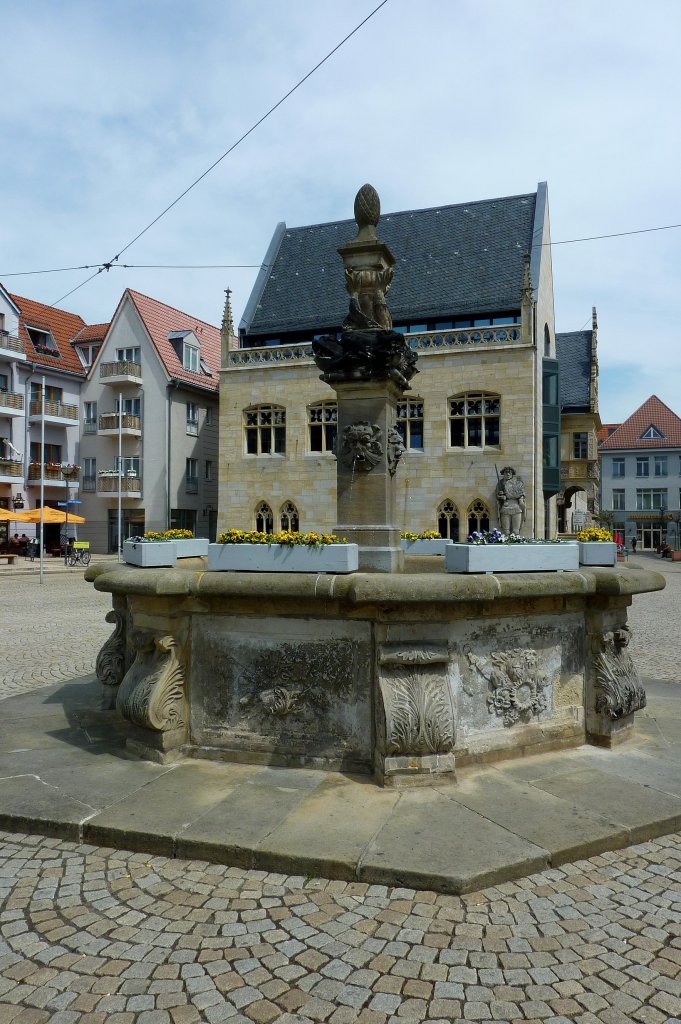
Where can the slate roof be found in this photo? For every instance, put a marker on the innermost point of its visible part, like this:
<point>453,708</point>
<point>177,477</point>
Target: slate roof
<point>61,325</point>
<point>573,350</point>
<point>161,320</point>
<point>460,259</point>
<point>654,413</point>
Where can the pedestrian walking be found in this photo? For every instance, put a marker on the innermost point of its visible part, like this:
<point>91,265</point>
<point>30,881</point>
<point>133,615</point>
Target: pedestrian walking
<point>633,542</point>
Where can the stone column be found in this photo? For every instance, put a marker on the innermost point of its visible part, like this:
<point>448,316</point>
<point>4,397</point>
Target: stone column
<point>369,366</point>
<point>367,452</point>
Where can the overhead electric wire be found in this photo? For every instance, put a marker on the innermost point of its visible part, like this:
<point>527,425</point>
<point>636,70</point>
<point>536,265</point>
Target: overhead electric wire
<point>256,266</point>
<point>108,264</point>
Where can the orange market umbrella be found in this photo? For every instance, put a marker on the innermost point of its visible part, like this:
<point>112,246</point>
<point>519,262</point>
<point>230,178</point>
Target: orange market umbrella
<point>8,516</point>
<point>50,515</point>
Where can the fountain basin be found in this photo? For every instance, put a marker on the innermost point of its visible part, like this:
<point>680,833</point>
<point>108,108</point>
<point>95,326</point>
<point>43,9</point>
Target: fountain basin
<point>402,676</point>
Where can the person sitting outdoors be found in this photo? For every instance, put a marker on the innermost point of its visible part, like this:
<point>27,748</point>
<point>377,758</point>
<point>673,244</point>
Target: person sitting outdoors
<point>14,542</point>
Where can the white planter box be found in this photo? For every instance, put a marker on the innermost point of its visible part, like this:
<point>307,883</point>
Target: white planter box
<point>425,547</point>
<point>196,547</point>
<point>332,558</point>
<point>511,557</point>
<point>596,552</point>
<point>152,553</point>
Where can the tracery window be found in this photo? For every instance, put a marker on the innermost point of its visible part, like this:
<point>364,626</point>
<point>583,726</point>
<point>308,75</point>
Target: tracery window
<point>322,425</point>
<point>474,420</point>
<point>410,423</point>
<point>265,430</point>
<point>448,520</point>
<point>478,517</point>
<point>288,517</point>
<point>264,520</point>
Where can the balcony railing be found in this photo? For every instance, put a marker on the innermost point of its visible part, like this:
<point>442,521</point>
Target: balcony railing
<point>11,400</point>
<point>49,472</point>
<point>56,409</point>
<point>90,426</point>
<point>193,428</point>
<point>456,339</point>
<point>10,343</point>
<point>109,421</point>
<point>191,485</point>
<point>89,483</point>
<point>121,368</point>
<point>108,484</point>
<point>11,467</point>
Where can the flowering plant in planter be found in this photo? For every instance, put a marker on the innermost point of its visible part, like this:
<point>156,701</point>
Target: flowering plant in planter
<point>595,533</point>
<point>424,535</point>
<point>290,538</point>
<point>150,536</point>
<point>497,537</point>
<point>177,535</point>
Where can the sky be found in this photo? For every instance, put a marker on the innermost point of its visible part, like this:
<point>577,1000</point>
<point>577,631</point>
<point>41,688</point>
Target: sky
<point>110,110</point>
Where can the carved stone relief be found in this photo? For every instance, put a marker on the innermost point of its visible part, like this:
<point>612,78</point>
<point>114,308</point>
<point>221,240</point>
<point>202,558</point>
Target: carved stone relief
<point>395,449</point>
<point>152,693</point>
<point>309,678</point>
<point>419,717</point>
<point>517,684</point>
<point>110,664</point>
<point>618,687</point>
<point>361,446</point>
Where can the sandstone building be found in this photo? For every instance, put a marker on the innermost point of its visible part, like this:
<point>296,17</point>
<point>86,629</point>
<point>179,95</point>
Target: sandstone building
<point>473,291</point>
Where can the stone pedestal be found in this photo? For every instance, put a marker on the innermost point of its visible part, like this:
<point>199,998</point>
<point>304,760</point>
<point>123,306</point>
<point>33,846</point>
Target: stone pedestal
<point>366,464</point>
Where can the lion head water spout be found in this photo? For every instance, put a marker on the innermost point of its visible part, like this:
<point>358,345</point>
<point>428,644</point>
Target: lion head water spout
<point>369,366</point>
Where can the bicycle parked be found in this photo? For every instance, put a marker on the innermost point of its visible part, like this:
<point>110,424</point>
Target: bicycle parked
<point>78,554</point>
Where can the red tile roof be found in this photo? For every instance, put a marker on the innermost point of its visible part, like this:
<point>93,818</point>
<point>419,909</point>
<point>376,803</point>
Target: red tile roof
<point>90,333</point>
<point>160,320</point>
<point>606,430</point>
<point>653,413</point>
<point>60,324</point>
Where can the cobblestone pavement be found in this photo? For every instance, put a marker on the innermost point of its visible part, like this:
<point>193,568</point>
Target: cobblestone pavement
<point>50,631</point>
<point>90,936</point>
<point>655,622</point>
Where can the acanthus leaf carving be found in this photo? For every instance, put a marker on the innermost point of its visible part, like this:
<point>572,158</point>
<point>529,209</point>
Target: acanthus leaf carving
<point>152,694</point>
<point>618,688</point>
<point>417,703</point>
<point>110,664</point>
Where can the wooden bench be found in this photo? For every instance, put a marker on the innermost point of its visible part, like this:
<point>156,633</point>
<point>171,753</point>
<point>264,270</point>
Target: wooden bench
<point>10,559</point>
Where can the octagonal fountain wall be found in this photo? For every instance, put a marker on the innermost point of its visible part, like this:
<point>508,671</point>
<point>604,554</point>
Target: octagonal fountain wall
<point>403,676</point>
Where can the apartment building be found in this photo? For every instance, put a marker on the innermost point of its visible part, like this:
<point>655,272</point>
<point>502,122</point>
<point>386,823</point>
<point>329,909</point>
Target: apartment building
<point>641,476</point>
<point>149,423</point>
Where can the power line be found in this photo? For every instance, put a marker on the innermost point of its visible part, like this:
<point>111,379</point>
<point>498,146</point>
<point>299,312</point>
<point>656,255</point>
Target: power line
<point>99,267</point>
<point>106,266</point>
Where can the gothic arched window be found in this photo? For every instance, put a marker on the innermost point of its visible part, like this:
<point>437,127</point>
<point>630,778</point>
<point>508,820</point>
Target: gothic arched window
<point>478,517</point>
<point>264,520</point>
<point>448,520</point>
<point>288,517</point>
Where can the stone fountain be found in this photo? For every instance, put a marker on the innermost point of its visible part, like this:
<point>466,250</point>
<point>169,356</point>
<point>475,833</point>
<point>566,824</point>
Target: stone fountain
<point>390,671</point>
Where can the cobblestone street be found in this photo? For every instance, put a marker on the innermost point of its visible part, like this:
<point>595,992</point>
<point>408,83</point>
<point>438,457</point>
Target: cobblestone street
<point>94,936</point>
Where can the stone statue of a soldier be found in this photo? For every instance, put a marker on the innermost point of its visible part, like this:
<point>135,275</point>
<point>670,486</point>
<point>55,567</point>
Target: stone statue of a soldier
<point>511,501</point>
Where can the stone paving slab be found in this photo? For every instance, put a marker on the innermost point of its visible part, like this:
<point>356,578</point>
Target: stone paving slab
<point>541,818</point>
<point>645,811</point>
<point>64,770</point>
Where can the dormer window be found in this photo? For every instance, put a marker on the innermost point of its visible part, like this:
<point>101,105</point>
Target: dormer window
<point>652,434</point>
<point>190,358</point>
<point>87,353</point>
<point>42,341</point>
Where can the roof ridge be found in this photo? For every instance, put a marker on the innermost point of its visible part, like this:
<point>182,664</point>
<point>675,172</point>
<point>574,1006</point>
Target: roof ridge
<point>423,209</point>
<point>158,302</point>
<point>45,305</point>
